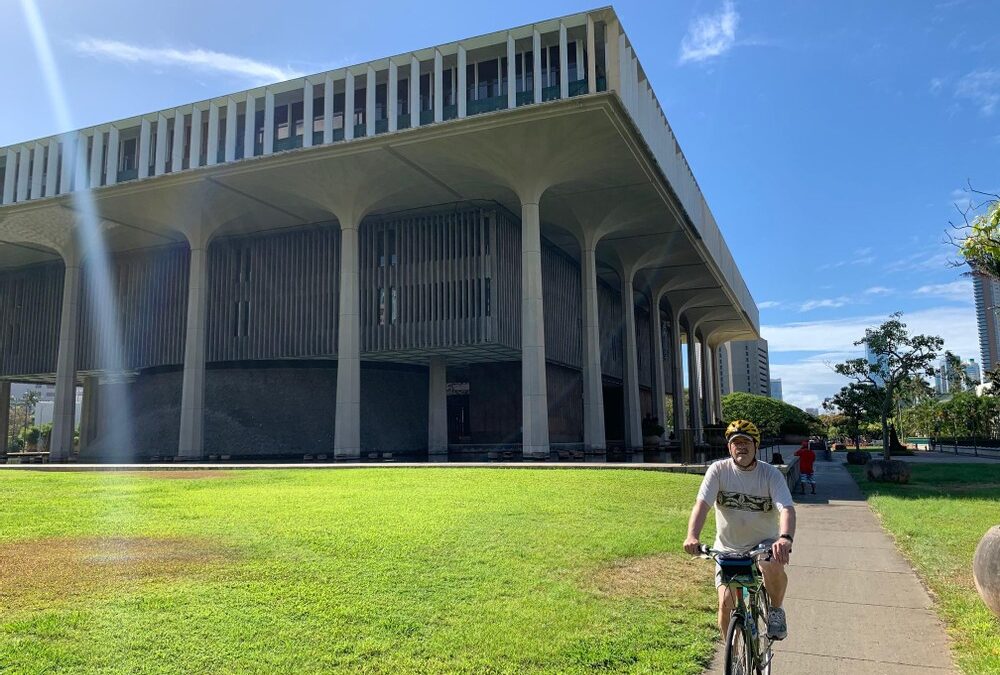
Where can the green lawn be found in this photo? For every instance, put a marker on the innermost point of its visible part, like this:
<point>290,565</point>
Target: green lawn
<point>937,521</point>
<point>369,570</point>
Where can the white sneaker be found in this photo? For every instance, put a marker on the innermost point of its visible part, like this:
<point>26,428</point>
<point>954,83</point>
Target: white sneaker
<point>776,628</point>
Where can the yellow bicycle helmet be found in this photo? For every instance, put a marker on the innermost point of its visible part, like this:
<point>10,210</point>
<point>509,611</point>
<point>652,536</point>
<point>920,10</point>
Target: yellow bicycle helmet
<point>743,428</point>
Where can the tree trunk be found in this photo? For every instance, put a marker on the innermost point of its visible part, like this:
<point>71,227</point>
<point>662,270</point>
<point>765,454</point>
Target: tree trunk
<point>885,431</point>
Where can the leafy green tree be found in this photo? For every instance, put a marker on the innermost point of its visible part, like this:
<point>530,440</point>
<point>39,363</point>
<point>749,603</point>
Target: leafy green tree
<point>769,414</point>
<point>858,403</point>
<point>897,357</point>
<point>980,243</point>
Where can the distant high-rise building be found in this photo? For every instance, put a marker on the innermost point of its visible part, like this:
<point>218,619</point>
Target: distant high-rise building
<point>943,377</point>
<point>744,366</point>
<point>873,359</point>
<point>776,389</point>
<point>987,293</point>
<point>972,371</point>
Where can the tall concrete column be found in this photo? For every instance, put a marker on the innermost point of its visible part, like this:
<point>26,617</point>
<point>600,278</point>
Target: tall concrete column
<point>370,102</point>
<point>64,409</point>
<point>706,382</point>
<point>4,415</point>
<point>633,411</point>
<point>347,429</point>
<point>191,443</point>
<point>268,122</point>
<point>437,413</point>
<point>716,386</point>
<point>229,142</point>
<point>213,134</point>
<point>37,171</point>
<point>176,151</point>
<point>145,136</point>
<point>88,412</point>
<point>659,389</point>
<point>160,153</point>
<point>511,73</point>
<point>462,93</point>
<point>591,60</point>
<point>414,92</point>
<point>328,109</point>
<point>677,373</point>
<point>194,150</point>
<point>392,98</point>
<point>50,170</point>
<point>307,114</point>
<point>694,413</point>
<point>536,65</point>
<point>534,397</point>
<point>349,106</point>
<point>8,178</point>
<point>563,62</point>
<point>438,86</point>
<point>593,385</point>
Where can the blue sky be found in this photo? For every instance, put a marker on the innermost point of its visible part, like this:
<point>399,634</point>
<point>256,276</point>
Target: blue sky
<point>832,140</point>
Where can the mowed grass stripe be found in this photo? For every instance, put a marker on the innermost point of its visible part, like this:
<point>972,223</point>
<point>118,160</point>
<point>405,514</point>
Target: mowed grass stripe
<point>371,570</point>
<point>937,521</point>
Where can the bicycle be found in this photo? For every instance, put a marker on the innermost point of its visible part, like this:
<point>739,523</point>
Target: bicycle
<point>748,649</point>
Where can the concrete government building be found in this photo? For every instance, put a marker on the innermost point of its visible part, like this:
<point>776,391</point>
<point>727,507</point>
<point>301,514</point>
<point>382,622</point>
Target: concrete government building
<point>489,245</point>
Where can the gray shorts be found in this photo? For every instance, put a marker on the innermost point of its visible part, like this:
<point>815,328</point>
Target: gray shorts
<point>718,570</point>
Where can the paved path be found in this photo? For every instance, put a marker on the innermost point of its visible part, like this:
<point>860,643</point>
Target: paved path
<point>854,605</point>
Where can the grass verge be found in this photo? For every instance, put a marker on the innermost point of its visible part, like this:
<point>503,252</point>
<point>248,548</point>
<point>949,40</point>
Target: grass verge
<point>370,570</point>
<point>937,520</point>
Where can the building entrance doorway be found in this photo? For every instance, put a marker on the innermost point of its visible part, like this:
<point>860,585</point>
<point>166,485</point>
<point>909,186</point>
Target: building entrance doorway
<point>614,413</point>
<point>459,421</point>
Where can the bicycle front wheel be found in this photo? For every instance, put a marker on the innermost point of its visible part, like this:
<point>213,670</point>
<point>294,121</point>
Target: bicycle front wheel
<point>763,646</point>
<point>738,661</point>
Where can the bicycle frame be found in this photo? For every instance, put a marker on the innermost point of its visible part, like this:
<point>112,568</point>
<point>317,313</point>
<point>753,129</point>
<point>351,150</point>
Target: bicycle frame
<point>750,602</point>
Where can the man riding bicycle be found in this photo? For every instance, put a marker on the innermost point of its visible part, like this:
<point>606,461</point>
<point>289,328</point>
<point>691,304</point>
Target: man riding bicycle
<point>753,506</point>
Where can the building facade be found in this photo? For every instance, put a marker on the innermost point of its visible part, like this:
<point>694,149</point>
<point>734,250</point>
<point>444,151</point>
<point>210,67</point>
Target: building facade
<point>490,245</point>
<point>744,365</point>
<point>987,294</point>
<point>776,389</point>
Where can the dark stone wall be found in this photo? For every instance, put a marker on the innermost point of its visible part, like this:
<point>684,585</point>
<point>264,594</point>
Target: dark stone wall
<point>565,391</point>
<point>495,402</point>
<point>267,412</point>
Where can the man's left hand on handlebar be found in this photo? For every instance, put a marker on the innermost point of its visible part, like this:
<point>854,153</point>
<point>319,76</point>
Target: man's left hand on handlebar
<point>781,550</point>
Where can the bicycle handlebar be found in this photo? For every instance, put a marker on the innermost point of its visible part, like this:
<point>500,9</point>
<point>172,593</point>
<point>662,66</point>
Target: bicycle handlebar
<point>760,551</point>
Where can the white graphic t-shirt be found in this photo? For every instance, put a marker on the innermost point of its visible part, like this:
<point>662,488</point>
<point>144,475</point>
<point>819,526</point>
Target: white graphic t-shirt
<point>747,503</point>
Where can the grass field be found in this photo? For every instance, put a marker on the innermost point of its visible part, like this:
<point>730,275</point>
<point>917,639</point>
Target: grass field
<point>937,521</point>
<point>370,570</point>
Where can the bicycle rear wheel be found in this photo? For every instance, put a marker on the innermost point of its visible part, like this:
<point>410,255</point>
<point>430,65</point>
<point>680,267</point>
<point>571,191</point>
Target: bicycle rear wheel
<point>738,661</point>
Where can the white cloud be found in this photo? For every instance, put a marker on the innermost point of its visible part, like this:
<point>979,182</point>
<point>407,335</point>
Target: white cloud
<point>956,325</point>
<point>934,259</point>
<point>936,84</point>
<point>768,304</point>
<point>878,290</point>
<point>809,380</point>
<point>862,256</point>
<point>196,59</point>
<point>982,88</point>
<point>807,383</point>
<point>810,305</point>
<point>710,35</point>
<point>959,291</point>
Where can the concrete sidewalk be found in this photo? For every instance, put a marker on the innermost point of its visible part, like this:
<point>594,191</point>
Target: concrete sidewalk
<point>854,605</point>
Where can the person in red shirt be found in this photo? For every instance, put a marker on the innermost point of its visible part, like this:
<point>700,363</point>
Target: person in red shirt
<point>806,459</point>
